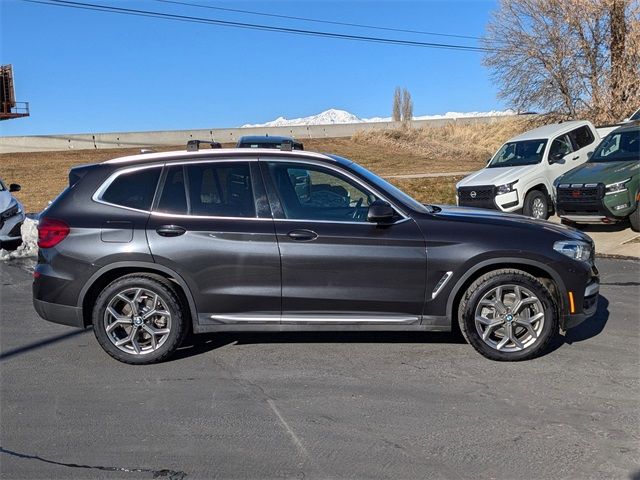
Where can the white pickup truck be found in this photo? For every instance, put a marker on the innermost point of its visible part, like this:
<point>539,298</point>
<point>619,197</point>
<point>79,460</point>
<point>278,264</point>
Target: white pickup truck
<point>519,177</point>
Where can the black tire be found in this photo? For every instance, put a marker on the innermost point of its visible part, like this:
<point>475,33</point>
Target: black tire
<point>531,208</point>
<point>167,294</point>
<point>634,219</point>
<point>485,284</point>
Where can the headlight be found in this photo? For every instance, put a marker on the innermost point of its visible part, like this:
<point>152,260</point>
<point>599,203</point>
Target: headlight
<point>11,211</point>
<point>575,249</point>
<point>616,187</point>
<point>506,188</point>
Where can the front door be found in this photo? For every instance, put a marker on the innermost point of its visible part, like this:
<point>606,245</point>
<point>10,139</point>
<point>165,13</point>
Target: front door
<point>211,225</point>
<point>336,266</point>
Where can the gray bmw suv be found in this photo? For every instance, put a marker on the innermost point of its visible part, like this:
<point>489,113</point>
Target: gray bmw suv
<point>149,247</point>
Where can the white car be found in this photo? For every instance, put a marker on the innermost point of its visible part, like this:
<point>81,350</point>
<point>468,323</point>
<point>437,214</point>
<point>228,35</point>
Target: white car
<point>519,177</point>
<point>11,215</point>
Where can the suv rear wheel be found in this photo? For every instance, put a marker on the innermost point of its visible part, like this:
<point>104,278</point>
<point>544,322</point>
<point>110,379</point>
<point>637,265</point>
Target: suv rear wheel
<point>536,205</point>
<point>508,315</point>
<point>138,319</point>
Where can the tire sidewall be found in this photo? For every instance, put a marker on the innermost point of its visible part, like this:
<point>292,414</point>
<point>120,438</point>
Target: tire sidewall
<point>528,203</point>
<point>168,295</point>
<point>549,330</point>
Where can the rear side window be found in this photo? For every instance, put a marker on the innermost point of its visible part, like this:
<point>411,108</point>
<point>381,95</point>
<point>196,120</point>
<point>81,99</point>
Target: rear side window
<point>581,137</point>
<point>216,190</point>
<point>134,189</point>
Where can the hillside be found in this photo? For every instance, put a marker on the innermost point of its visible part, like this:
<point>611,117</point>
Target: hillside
<point>454,148</point>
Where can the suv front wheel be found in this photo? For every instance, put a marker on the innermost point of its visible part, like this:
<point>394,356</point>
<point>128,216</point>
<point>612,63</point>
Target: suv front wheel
<point>138,319</point>
<point>536,205</point>
<point>508,315</point>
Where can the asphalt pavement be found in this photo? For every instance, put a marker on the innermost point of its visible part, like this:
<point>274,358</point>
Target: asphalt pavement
<point>310,405</point>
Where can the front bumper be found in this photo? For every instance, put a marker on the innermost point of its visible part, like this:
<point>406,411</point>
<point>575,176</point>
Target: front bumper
<point>10,228</point>
<point>587,309</point>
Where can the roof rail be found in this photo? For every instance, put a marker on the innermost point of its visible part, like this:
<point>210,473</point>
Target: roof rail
<point>194,145</point>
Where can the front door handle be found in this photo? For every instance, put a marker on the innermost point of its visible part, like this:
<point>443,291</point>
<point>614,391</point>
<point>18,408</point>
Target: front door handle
<point>302,235</point>
<point>576,157</point>
<point>170,230</point>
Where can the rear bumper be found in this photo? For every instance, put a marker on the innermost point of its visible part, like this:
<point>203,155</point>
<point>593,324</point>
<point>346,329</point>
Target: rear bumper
<point>62,314</point>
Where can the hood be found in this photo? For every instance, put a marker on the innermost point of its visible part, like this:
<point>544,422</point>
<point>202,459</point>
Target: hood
<point>492,217</point>
<point>495,176</point>
<point>604,172</point>
<point>6,200</point>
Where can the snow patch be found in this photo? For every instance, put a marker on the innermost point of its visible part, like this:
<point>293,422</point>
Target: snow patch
<point>29,245</point>
<point>335,116</point>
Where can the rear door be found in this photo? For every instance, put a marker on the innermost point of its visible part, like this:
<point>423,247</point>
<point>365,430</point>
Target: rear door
<point>212,225</point>
<point>584,142</point>
<point>338,268</point>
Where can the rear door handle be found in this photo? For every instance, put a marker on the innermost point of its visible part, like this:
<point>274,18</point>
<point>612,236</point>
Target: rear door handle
<point>302,235</point>
<point>170,230</point>
<point>576,157</point>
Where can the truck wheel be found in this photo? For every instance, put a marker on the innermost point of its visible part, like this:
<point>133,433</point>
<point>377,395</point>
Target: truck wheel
<point>508,315</point>
<point>634,219</point>
<point>139,319</point>
<point>536,205</point>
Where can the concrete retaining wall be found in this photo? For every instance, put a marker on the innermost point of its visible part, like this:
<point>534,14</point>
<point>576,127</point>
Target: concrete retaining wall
<point>37,143</point>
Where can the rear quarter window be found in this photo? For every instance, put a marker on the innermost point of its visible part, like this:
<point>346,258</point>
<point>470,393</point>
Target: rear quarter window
<point>581,137</point>
<point>133,189</point>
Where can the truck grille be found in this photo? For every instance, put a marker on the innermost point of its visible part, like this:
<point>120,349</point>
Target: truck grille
<point>481,196</point>
<point>580,198</point>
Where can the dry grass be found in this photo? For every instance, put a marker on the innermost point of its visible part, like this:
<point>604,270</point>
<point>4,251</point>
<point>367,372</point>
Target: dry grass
<point>452,148</point>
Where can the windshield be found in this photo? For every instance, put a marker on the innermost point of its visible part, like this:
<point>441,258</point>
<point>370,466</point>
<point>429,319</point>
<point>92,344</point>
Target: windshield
<point>515,154</point>
<point>635,116</point>
<point>618,146</point>
<point>386,187</point>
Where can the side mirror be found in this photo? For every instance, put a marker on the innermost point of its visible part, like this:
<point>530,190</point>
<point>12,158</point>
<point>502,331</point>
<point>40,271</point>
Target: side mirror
<point>380,212</point>
<point>14,187</point>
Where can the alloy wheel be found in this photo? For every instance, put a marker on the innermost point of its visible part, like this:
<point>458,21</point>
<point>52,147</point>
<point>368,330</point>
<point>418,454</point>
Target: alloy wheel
<point>137,321</point>
<point>509,318</point>
<point>538,208</point>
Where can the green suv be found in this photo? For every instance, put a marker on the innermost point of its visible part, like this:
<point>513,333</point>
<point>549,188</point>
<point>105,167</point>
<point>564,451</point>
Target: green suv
<point>606,188</point>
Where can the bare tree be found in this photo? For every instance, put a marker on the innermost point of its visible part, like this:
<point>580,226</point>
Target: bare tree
<point>397,105</point>
<point>407,107</point>
<point>570,58</point>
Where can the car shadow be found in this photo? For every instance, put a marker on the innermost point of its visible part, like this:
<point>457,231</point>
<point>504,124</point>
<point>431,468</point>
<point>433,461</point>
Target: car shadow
<point>203,343</point>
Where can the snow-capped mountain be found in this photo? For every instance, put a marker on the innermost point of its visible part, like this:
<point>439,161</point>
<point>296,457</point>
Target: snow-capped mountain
<point>334,115</point>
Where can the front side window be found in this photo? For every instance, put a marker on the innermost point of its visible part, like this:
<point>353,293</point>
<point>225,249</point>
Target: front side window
<point>133,189</point>
<point>309,192</point>
<point>618,146</point>
<point>581,137</point>
<point>211,189</point>
<point>516,154</point>
<point>560,147</point>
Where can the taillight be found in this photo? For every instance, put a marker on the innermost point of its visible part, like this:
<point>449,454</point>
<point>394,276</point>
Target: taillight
<point>51,232</point>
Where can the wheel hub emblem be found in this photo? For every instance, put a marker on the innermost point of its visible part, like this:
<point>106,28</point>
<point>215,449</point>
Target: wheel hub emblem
<point>473,194</point>
<point>137,321</point>
<point>509,318</point>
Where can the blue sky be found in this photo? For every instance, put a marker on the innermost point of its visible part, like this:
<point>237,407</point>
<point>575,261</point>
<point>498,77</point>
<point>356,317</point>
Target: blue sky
<point>85,71</point>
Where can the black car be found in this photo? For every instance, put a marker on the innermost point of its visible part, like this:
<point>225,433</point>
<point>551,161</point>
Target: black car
<point>269,141</point>
<point>149,247</point>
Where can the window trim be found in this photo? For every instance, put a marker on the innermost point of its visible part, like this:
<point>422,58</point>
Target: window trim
<point>97,196</point>
<point>185,165</point>
<point>365,186</point>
